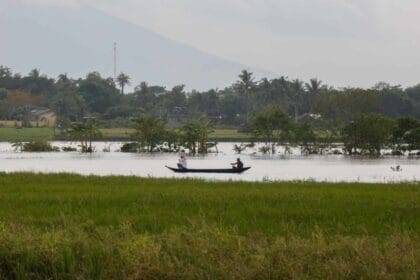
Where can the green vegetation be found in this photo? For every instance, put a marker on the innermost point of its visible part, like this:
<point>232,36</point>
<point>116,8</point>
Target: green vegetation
<point>368,134</point>
<point>195,135</point>
<point>117,133</point>
<point>149,133</point>
<point>26,134</point>
<point>108,134</point>
<point>36,146</point>
<point>123,80</point>
<point>152,134</point>
<point>84,132</point>
<point>229,135</point>
<point>277,111</point>
<point>73,227</point>
<point>271,126</point>
<point>73,99</point>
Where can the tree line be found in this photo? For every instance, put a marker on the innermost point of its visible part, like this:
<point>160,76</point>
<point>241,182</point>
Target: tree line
<point>325,107</point>
<point>367,134</point>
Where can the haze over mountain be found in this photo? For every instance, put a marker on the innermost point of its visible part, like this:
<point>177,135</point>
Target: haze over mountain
<point>342,42</point>
<point>79,39</point>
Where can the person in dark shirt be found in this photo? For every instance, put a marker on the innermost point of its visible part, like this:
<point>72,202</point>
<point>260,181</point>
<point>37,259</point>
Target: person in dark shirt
<point>238,164</point>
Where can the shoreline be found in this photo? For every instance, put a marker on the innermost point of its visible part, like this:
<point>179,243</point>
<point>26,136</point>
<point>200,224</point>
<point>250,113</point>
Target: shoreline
<point>216,181</point>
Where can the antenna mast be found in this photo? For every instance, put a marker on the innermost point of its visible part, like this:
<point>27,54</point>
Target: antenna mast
<point>115,61</point>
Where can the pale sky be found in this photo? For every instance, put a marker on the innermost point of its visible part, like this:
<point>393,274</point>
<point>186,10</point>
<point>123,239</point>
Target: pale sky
<point>343,42</point>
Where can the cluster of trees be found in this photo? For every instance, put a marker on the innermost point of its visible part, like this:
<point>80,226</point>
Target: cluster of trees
<point>366,134</point>
<point>371,133</point>
<point>106,99</point>
<point>153,134</point>
<point>275,128</point>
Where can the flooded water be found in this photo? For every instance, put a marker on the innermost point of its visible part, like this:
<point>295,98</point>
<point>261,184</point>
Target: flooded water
<point>332,168</point>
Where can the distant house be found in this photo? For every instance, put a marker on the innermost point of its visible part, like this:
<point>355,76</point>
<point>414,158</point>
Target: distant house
<point>37,117</point>
<point>42,117</point>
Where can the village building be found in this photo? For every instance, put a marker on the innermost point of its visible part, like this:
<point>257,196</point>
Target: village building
<point>42,117</point>
<point>38,117</point>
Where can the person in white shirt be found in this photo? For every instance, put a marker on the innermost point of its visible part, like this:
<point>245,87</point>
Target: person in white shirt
<point>182,162</point>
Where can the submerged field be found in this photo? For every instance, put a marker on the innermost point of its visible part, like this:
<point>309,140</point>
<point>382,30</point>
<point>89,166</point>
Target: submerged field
<point>73,227</point>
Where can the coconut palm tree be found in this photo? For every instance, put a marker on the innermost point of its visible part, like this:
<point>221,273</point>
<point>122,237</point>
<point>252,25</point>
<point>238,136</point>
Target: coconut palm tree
<point>245,85</point>
<point>84,133</point>
<point>123,80</point>
<point>295,97</point>
<point>314,86</point>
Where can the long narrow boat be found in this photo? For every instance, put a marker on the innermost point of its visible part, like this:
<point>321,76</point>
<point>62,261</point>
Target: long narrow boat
<point>229,170</point>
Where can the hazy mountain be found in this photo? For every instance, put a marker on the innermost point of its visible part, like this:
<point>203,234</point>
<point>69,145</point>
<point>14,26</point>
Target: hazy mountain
<point>77,40</point>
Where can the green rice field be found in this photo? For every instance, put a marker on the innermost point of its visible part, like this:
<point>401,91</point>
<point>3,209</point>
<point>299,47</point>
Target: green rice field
<point>73,227</point>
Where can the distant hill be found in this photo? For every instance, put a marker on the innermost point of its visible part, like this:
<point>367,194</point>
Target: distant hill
<point>77,40</point>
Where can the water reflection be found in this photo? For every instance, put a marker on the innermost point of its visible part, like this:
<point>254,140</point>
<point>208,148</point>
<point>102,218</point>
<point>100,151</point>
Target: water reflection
<point>264,167</point>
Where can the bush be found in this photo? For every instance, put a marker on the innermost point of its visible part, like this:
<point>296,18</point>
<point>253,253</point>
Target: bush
<point>132,147</point>
<point>265,149</point>
<point>412,138</point>
<point>239,148</point>
<point>69,149</point>
<point>39,146</point>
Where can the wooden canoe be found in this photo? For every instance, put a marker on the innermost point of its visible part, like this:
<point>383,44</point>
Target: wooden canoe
<point>226,170</point>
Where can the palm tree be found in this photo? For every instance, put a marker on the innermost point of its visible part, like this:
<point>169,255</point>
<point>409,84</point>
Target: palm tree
<point>296,96</point>
<point>92,132</point>
<point>84,133</point>
<point>34,74</point>
<point>246,81</point>
<point>196,134</point>
<point>314,86</point>
<point>244,86</point>
<point>63,78</point>
<point>205,128</point>
<point>123,80</point>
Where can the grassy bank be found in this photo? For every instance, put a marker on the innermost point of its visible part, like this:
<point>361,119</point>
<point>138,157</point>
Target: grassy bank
<point>218,134</point>
<point>25,134</point>
<point>68,227</point>
<point>109,134</point>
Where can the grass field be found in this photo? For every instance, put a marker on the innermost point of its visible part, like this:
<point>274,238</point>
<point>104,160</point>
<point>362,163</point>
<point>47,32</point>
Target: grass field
<point>25,134</point>
<point>73,227</point>
<point>109,134</point>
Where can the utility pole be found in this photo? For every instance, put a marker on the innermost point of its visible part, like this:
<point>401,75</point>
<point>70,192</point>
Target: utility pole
<point>115,61</point>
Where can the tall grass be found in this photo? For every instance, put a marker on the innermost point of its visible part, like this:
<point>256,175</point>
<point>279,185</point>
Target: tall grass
<point>205,252</point>
<point>73,227</point>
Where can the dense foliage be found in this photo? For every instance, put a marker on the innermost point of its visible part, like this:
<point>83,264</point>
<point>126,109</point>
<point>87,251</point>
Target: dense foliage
<point>367,134</point>
<point>85,133</point>
<point>73,99</point>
